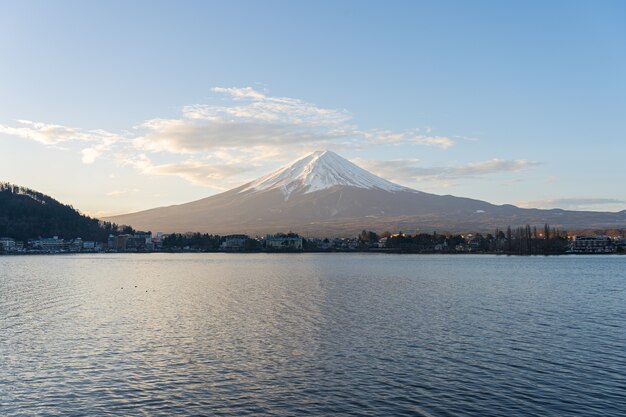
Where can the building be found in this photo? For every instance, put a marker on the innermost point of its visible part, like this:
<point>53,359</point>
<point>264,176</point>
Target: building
<point>234,243</point>
<point>283,242</point>
<point>140,242</point>
<point>157,241</point>
<point>119,242</point>
<point>7,244</point>
<point>592,244</point>
<point>48,245</point>
<point>75,245</point>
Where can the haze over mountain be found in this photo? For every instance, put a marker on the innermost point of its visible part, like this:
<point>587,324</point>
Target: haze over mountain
<point>324,194</point>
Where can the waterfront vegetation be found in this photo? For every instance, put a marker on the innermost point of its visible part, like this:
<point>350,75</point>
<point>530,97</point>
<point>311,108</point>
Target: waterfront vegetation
<point>511,241</point>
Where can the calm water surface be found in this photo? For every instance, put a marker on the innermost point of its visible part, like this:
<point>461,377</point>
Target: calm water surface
<point>329,334</point>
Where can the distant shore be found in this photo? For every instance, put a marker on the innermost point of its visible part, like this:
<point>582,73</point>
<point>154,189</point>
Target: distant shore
<point>378,252</point>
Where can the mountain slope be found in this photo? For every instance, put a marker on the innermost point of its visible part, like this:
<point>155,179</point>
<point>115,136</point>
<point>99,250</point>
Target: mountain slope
<point>324,194</point>
<point>26,214</point>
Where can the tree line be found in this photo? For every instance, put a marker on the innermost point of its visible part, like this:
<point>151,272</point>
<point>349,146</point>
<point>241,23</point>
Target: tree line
<point>27,214</point>
<point>524,240</point>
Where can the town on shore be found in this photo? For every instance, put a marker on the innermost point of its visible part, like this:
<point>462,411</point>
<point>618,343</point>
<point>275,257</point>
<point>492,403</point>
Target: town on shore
<point>517,241</point>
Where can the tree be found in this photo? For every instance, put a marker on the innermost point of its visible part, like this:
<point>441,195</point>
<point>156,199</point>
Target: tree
<point>509,239</point>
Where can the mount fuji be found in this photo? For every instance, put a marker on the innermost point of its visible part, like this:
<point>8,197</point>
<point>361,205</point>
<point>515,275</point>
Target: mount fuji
<point>324,194</point>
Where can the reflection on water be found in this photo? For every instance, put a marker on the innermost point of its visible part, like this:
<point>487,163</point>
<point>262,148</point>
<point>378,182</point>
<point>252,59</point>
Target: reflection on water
<point>309,334</point>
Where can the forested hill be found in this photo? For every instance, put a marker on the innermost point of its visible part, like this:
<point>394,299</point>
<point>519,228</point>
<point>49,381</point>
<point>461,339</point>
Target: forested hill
<point>26,214</point>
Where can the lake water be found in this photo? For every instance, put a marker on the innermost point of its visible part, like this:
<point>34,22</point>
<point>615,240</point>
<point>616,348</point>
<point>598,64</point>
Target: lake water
<point>312,334</point>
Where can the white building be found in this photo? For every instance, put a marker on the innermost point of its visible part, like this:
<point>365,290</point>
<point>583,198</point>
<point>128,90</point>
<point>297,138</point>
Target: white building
<point>234,243</point>
<point>48,244</point>
<point>593,244</point>
<point>8,244</point>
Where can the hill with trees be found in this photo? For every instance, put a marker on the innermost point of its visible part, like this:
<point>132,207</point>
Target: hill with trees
<point>27,214</point>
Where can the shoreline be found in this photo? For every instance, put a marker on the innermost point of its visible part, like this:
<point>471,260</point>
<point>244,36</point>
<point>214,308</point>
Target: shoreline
<point>391,252</point>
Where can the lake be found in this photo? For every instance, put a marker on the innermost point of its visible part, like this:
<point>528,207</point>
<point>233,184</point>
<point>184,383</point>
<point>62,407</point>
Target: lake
<point>312,334</point>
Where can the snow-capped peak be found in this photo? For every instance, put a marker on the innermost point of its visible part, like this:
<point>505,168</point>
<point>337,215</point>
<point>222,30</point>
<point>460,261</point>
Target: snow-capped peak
<point>318,171</point>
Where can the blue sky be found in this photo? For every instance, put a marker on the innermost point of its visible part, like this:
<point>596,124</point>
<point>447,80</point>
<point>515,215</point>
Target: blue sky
<point>121,106</point>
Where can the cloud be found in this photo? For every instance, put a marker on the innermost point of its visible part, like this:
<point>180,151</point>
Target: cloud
<point>407,137</point>
<point>100,214</point>
<point>204,144</point>
<point>493,166</point>
<point>90,154</point>
<point>408,170</point>
<point>45,133</point>
<point>253,105</point>
<point>55,135</point>
<point>123,192</point>
<point>193,136</point>
<point>52,134</point>
<point>583,203</point>
<point>240,93</point>
<point>215,175</point>
<point>252,118</point>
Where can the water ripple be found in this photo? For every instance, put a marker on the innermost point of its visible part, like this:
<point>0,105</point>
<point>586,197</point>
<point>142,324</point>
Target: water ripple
<point>341,335</point>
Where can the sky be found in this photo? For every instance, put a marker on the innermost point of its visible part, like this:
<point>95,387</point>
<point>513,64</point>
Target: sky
<point>118,106</point>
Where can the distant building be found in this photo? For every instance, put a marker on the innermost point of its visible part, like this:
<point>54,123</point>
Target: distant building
<point>593,244</point>
<point>75,245</point>
<point>474,244</point>
<point>7,244</point>
<point>119,243</point>
<point>234,243</point>
<point>140,242</point>
<point>111,243</point>
<point>283,242</point>
<point>157,241</point>
<point>89,246</point>
<point>48,244</point>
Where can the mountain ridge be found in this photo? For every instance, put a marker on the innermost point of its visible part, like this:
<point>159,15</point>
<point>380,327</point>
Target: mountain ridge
<point>325,194</point>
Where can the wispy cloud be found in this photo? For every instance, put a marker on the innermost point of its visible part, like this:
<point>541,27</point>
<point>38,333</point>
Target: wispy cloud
<point>101,141</point>
<point>205,143</point>
<point>408,170</point>
<point>252,118</point>
<point>414,137</point>
<point>583,203</point>
<point>200,172</point>
<point>122,192</point>
<point>253,105</point>
<point>53,134</point>
<point>193,136</point>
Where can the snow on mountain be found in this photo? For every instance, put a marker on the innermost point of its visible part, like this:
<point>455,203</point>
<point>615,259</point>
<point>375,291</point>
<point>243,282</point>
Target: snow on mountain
<point>319,171</point>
